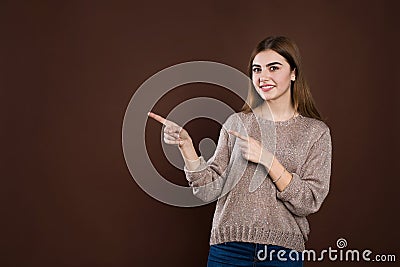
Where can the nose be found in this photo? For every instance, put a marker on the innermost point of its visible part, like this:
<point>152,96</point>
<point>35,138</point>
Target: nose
<point>264,76</point>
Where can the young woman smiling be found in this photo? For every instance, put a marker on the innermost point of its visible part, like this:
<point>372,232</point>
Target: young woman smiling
<point>264,191</point>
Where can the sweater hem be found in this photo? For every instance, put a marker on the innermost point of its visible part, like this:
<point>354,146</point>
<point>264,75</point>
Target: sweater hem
<point>258,235</point>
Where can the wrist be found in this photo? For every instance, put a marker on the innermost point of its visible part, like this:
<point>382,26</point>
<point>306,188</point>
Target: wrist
<point>186,144</point>
<point>267,159</point>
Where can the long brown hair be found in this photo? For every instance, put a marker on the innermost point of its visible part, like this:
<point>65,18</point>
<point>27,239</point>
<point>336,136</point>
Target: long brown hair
<point>302,99</point>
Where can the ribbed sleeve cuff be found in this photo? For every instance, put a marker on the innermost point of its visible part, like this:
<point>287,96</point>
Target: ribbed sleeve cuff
<point>291,190</point>
<point>193,175</point>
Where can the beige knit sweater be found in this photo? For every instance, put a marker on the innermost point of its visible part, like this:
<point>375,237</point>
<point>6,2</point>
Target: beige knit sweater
<point>249,206</point>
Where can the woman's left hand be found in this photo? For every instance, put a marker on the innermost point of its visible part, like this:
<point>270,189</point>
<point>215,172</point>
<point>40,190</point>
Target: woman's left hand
<point>251,149</point>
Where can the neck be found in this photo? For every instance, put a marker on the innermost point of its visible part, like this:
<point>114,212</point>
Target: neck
<point>280,111</point>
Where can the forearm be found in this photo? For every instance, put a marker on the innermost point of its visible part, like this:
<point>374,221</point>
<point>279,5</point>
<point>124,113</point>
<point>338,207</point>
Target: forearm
<point>189,155</point>
<point>278,173</point>
<point>304,191</point>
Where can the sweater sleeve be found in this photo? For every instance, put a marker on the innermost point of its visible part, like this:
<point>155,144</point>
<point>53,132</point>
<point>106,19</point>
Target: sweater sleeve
<point>208,179</point>
<point>305,193</point>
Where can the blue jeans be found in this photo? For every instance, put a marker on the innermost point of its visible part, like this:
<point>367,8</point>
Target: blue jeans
<point>231,254</point>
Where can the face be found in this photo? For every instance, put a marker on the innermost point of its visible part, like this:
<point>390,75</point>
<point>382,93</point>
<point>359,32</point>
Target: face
<point>272,75</point>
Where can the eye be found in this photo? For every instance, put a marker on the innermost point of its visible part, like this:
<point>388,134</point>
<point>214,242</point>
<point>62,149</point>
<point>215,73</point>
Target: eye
<point>256,70</point>
<point>273,68</point>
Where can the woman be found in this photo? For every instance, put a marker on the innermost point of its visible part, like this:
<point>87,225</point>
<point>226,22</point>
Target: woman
<point>263,223</point>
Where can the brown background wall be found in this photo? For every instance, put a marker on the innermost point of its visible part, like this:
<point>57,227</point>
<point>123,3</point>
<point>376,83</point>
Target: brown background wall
<point>69,69</point>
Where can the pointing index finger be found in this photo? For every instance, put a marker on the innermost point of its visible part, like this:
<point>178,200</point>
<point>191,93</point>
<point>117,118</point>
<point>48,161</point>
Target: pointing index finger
<point>157,118</point>
<point>239,135</point>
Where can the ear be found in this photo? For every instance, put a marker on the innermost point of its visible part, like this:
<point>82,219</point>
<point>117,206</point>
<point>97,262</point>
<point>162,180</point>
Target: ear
<point>293,75</point>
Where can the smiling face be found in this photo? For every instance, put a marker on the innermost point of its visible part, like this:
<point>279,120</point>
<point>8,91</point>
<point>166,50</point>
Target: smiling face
<point>272,76</point>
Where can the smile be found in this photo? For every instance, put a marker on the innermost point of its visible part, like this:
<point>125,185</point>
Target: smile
<point>267,87</point>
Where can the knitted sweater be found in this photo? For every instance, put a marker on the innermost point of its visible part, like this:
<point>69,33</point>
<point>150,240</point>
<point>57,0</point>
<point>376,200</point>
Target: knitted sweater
<point>250,208</point>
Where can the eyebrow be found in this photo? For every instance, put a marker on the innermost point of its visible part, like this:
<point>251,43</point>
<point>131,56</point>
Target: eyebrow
<point>269,64</point>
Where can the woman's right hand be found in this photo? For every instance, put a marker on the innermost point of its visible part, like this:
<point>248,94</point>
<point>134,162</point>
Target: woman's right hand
<point>173,133</point>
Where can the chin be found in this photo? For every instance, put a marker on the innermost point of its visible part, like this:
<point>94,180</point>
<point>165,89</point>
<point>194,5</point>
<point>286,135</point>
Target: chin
<point>262,95</point>
<point>266,96</point>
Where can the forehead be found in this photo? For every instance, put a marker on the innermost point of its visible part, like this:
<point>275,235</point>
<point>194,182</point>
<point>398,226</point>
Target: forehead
<point>268,56</point>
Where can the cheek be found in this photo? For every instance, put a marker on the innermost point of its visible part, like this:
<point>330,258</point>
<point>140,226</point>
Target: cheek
<point>255,83</point>
<point>258,90</point>
<point>255,80</point>
<point>283,78</point>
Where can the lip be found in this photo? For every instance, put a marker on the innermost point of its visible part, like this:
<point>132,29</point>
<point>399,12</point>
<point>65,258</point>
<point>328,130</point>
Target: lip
<point>267,87</point>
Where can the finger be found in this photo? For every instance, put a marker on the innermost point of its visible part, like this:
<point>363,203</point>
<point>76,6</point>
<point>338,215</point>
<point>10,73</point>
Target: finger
<point>172,129</point>
<point>172,142</point>
<point>244,138</point>
<point>245,150</point>
<point>171,137</point>
<point>174,135</point>
<point>242,145</point>
<point>158,118</point>
<point>245,155</point>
